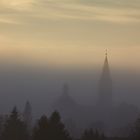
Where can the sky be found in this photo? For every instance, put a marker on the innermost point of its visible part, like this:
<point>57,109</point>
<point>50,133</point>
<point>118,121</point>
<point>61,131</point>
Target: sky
<point>70,34</point>
<point>66,41</point>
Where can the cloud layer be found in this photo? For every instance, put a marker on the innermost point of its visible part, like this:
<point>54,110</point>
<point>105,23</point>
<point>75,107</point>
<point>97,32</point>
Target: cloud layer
<point>53,30</point>
<point>120,11</point>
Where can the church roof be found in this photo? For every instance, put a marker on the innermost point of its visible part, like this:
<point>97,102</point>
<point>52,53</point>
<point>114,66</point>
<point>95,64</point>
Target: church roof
<point>65,100</point>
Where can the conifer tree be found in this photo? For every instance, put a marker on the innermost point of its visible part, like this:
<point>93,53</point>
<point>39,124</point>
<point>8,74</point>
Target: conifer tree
<point>50,129</point>
<point>14,128</point>
<point>41,130</point>
<point>89,134</point>
<point>135,133</point>
<point>1,125</point>
<point>57,128</point>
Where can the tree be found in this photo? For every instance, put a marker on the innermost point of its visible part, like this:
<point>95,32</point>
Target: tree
<point>89,134</point>
<point>1,125</point>
<point>135,131</point>
<point>57,128</point>
<point>14,128</point>
<point>50,129</point>
<point>41,131</point>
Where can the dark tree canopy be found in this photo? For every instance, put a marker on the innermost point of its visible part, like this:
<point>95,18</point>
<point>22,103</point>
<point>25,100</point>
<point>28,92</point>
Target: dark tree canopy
<point>41,130</point>
<point>50,129</point>
<point>14,128</point>
<point>135,134</point>
<point>57,128</point>
<point>89,134</point>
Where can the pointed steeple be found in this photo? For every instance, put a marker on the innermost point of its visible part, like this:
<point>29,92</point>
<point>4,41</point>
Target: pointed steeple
<point>27,114</point>
<point>105,86</point>
<point>106,69</point>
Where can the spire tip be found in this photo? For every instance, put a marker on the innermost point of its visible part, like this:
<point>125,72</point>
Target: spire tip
<point>106,53</point>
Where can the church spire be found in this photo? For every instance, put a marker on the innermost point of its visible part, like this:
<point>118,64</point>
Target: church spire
<point>27,114</point>
<point>106,69</point>
<point>106,53</point>
<point>105,85</point>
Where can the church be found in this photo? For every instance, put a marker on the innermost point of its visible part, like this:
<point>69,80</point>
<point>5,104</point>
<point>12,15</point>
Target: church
<point>104,115</point>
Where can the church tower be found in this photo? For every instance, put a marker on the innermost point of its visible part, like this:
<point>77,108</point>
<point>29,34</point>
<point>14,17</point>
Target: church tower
<point>105,87</point>
<point>65,102</point>
<point>27,115</point>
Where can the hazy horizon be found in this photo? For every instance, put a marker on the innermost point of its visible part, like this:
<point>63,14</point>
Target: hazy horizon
<point>45,43</point>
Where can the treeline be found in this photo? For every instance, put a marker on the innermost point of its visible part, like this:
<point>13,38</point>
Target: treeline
<point>13,127</point>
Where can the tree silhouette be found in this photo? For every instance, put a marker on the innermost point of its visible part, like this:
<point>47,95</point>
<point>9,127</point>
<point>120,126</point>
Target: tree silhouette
<point>135,133</point>
<point>50,129</point>
<point>57,128</point>
<point>89,134</point>
<point>41,130</point>
<point>14,128</point>
<point>1,125</point>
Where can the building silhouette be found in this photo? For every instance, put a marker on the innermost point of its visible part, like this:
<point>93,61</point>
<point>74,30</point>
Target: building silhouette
<point>105,94</point>
<point>27,115</point>
<point>102,115</point>
<point>65,104</point>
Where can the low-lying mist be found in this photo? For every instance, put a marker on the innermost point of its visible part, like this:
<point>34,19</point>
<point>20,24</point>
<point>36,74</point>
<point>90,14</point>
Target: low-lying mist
<point>42,87</point>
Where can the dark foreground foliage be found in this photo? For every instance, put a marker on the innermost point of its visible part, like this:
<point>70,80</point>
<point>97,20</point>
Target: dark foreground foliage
<point>50,129</point>
<point>12,127</point>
